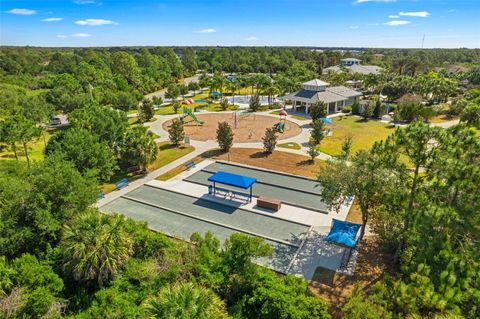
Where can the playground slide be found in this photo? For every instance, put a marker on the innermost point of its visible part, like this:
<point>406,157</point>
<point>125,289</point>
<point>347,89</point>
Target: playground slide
<point>280,127</point>
<point>188,111</point>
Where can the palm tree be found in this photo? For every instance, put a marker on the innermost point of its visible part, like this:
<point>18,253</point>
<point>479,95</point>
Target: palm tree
<point>272,91</point>
<point>94,247</point>
<point>185,301</point>
<point>139,147</point>
<point>232,86</point>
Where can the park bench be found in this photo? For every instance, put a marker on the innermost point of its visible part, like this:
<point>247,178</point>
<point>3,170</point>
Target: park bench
<point>241,196</point>
<point>121,183</point>
<point>269,203</point>
<point>190,165</point>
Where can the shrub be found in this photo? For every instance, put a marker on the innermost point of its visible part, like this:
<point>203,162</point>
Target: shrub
<point>347,109</point>
<point>224,136</point>
<point>254,103</point>
<point>356,108</point>
<point>269,141</point>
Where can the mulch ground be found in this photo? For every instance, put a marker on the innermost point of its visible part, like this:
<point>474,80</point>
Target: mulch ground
<point>372,263</point>
<point>279,161</point>
<point>248,129</point>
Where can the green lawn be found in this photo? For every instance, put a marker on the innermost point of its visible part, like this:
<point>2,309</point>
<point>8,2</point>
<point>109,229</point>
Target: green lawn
<point>35,150</point>
<point>301,118</point>
<point>291,145</point>
<point>363,134</point>
<point>167,153</point>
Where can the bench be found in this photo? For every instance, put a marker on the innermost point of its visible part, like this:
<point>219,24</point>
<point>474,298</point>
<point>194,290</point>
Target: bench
<point>269,203</point>
<point>241,196</point>
<point>190,165</point>
<point>121,183</point>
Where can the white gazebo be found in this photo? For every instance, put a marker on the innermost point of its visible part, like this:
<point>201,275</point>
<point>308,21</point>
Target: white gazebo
<point>334,97</point>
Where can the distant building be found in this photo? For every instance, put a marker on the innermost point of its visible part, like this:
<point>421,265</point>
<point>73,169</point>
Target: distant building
<point>352,65</point>
<point>334,97</point>
<point>349,62</point>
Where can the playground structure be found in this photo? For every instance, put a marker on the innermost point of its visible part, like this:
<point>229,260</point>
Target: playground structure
<point>280,126</point>
<point>188,102</point>
<point>188,112</point>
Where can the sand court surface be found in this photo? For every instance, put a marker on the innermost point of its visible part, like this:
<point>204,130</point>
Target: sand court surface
<point>249,128</point>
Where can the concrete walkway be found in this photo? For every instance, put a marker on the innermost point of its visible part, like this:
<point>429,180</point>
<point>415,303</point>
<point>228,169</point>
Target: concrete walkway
<point>151,176</point>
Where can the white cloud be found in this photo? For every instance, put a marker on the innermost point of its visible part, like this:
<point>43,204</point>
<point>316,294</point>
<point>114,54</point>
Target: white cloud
<point>23,12</point>
<point>365,1</point>
<point>393,16</point>
<point>420,14</point>
<point>354,27</point>
<point>81,35</point>
<point>395,23</point>
<point>86,2</point>
<point>52,19</point>
<point>210,30</point>
<point>251,39</point>
<point>61,36</point>
<point>95,22</point>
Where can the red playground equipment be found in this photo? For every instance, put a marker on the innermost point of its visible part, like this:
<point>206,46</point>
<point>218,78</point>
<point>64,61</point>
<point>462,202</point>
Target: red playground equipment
<point>188,101</point>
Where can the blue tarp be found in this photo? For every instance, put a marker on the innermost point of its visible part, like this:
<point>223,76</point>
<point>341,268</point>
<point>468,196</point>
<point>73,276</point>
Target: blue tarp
<point>215,93</point>
<point>232,179</point>
<point>326,120</point>
<point>344,233</point>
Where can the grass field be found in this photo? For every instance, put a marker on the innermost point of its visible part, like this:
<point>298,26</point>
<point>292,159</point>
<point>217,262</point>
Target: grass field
<point>167,153</point>
<point>35,150</point>
<point>363,134</point>
<point>442,118</point>
<point>291,145</point>
<point>301,118</point>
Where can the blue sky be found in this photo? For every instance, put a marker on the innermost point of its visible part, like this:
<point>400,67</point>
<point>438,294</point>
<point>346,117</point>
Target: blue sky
<point>351,23</point>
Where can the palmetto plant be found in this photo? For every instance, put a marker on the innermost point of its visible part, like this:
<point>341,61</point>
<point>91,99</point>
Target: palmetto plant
<point>94,247</point>
<point>185,301</point>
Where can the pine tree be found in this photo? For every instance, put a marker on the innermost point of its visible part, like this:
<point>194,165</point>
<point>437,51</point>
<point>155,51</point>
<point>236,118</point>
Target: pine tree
<point>316,133</point>
<point>313,151</point>
<point>146,110</point>
<point>176,132</point>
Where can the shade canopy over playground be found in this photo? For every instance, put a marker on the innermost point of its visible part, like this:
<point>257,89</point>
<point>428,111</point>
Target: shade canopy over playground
<point>326,120</point>
<point>343,233</point>
<point>233,180</point>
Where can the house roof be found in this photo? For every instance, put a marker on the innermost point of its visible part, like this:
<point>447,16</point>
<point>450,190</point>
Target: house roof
<point>344,91</point>
<point>356,68</point>
<point>316,82</point>
<point>365,69</point>
<point>350,59</point>
<point>331,94</point>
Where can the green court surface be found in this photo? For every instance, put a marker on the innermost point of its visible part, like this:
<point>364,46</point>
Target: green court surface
<point>290,189</point>
<point>181,215</point>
